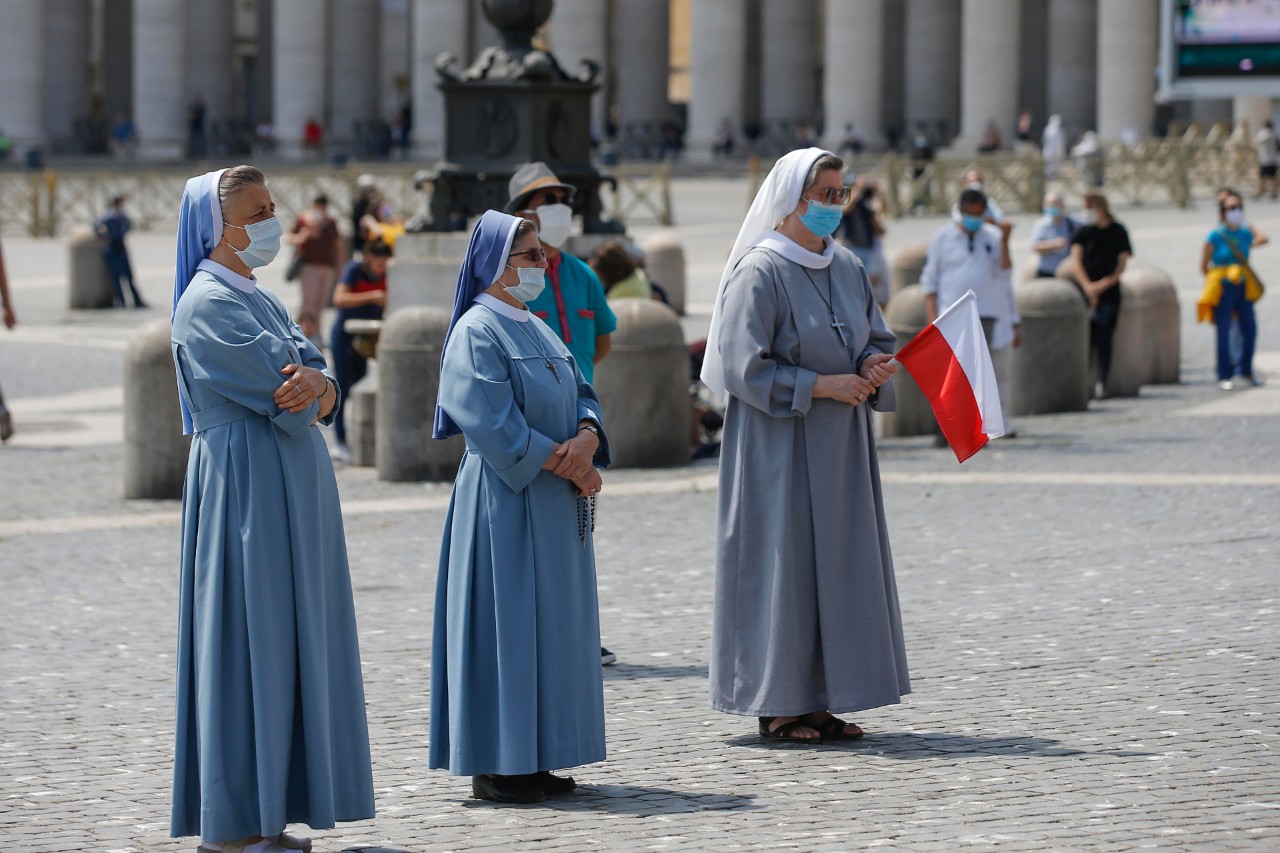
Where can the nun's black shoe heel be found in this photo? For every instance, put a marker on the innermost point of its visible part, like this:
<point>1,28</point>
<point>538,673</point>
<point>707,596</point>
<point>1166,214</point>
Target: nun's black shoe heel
<point>508,789</point>
<point>552,784</point>
<point>786,731</point>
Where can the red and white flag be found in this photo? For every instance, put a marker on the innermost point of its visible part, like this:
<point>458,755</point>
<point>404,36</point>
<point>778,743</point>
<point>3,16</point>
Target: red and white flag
<point>950,362</point>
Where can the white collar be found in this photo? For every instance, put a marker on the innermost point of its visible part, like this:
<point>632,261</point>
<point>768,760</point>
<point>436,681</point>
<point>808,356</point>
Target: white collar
<point>239,282</point>
<point>783,245</point>
<point>520,315</point>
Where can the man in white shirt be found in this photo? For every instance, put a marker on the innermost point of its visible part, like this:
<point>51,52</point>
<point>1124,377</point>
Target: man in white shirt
<point>971,253</point>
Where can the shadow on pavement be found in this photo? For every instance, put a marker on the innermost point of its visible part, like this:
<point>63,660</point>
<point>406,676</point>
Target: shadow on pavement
<point>633,800</point>
<point>916,745</point>
<point>626,671</point>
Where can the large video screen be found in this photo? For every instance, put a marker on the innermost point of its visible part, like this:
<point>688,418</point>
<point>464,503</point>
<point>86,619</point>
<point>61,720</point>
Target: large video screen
<point>1220,48</point>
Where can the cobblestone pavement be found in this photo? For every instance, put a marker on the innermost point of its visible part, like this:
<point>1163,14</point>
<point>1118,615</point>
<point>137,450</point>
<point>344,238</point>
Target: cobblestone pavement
<point>1091,616</point>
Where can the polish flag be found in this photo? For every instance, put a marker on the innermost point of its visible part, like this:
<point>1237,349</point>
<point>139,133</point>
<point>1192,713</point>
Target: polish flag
<point>950,362</point>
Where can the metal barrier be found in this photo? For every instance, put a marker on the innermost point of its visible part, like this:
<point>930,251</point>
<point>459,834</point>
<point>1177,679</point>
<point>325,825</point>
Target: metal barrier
<point>49,203</point>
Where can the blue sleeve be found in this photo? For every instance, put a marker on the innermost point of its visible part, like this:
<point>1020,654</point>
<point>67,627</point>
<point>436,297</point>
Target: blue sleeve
<point>312,357</point>
<point>228,351</point>
<point>476,392</point>
<point>589,410</point>
<point>348,276</point>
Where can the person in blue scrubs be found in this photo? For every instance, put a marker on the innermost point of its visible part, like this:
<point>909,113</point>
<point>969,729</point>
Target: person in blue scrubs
<point>271,725</point>
<point>516,690</point>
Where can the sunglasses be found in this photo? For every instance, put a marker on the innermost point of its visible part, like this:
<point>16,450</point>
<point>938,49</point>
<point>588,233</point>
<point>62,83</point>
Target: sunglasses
<point>836,195</point>
<point>535,254</point>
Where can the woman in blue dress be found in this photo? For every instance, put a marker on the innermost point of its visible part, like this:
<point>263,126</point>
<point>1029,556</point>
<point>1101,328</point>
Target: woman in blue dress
<point>271,723</point>
<point>516,690</point>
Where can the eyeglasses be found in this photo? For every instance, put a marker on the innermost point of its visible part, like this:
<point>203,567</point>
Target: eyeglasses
<point>835,195</point>
<point>535,254</point>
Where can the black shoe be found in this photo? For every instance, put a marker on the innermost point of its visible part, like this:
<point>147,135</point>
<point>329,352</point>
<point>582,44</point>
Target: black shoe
<point>552,784</point>
<point>607,657</point>
<point>508,789</point>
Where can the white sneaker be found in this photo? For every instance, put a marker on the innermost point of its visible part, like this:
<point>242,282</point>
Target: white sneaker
<point>340,453</point>
<point>1099,391</point>
<point>1226,385</point>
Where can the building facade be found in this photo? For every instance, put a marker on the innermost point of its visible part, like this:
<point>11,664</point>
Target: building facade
<point>213,77</point>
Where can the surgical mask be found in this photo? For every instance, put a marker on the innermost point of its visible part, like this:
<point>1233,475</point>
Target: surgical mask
<point>972,224</point>
<point>1234,218</point>
<point>1053,212</point>
<point>1091,217</point>
<point>822,219</point>
<point>532,281</point>
<point>264,242</point>
<point>974,185</point>
<point>554,222</point>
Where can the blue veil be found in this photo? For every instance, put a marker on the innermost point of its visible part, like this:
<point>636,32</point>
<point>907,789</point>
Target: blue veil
<point>199,230</point>
<point>486,256</point>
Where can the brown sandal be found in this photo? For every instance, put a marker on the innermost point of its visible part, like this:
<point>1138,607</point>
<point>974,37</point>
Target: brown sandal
<point>832,728</point>
<point>786,731</point>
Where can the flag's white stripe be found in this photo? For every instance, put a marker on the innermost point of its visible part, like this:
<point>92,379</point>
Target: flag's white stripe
<point>961,327</point>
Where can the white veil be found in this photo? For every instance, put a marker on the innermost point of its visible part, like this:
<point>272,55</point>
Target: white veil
<point>778,196</point>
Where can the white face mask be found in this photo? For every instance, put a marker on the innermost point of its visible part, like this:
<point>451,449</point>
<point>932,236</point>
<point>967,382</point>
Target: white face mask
<point>1091,217</point>
<point>554,223</point>
<point>532,281</point>
<point>1234,218</point>
<point>264,242</point>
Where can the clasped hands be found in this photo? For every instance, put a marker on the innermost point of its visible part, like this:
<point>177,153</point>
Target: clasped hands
<point>572,460</point>
<point>302,387</point>
<point>855,388</point>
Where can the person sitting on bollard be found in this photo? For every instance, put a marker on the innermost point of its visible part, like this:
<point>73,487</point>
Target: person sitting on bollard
<point>516,690</point>
<point>618,271</point>
<point>1051,236</point>
<point>111,229</point>
<point>1230,289</point>
<point>270,722</point>
<point>1099,252</point>
<point>361,294</point>
<point>805,623</point>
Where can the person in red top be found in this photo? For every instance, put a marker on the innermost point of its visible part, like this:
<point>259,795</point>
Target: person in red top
<point>313,135</point>
<point>319,248</point>
<point>361,294</point>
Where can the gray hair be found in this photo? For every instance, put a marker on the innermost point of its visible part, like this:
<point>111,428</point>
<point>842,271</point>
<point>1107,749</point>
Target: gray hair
<point>237,178</point>
<point>822,164</point>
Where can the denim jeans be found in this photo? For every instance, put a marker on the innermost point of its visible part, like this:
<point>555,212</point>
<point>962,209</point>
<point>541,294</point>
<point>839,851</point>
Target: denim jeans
<point>1231,304</point>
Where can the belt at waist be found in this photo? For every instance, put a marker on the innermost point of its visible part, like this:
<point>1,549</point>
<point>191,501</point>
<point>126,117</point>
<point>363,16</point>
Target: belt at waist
<point>228,412</point>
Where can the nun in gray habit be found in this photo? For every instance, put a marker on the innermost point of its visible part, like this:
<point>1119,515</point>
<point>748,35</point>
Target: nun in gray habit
<point>806,621</point>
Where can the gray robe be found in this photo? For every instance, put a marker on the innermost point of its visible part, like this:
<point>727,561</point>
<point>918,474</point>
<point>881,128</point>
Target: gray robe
<point>806,608</point>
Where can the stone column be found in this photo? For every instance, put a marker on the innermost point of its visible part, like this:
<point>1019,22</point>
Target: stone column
<point>210,57</point>
<point>66,66</point>
<point>22,58</point>
<point>789,52</point>
<point>159,78</point>
<point>717,71</point>
<point>577,31</point>
<point>438,27</point>
<point>300,74</point>
<point>353,68</point>
<point>643,60</point>
<point>1073,54</point>
<point>854,39</point>
<point>396,65</point>
<point>115,48</point>
<point>933,69</point>
<point>988,70</point>
<point>1127,35</point>
<point>1252,112</point>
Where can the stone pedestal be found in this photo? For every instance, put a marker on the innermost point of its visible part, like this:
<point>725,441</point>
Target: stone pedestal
<point>155,450</point>
<point>1152,288</point>
<point>664,261</point>
<point>905,267</point>
<point>425,270</point>
<point>906,318</point>
<point>409,379</point>
<point>361,413</point>
<point>89,285</point>
<point>644,387</point>
<point>1050,371</point>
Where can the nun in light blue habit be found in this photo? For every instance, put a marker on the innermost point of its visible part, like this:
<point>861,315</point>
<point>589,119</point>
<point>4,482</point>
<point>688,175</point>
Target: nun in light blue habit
<point>516,690</point>
<point>270,705</point>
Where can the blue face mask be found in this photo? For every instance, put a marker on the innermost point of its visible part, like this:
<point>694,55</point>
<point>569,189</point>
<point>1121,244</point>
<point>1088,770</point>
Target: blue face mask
<point>1053,212</point>
<point>972,224</point>
<point>822,219</point>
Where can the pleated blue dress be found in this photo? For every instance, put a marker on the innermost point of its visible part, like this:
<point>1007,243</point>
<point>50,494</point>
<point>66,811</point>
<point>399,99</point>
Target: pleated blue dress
<point>271,722</point>
<point>515,666</point>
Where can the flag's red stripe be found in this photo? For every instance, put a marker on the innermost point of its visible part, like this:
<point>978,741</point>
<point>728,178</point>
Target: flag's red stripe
<point>933,365</point>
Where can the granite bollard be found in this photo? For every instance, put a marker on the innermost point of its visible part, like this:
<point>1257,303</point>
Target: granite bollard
<point>1153,287</point>
<point>90,280</point>
<point>643,386</point>
<point>155,450</point>
<point>906,318</point>
<point>408,380</point>
<point>664,262</point>
<point>906,266</point>
<point>1050,371</point>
